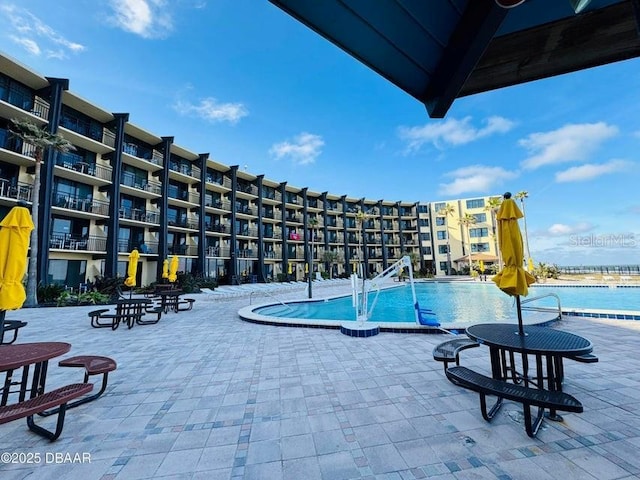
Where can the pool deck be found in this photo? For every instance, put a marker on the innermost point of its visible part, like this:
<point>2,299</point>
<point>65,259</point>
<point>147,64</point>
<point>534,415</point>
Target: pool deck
<point>205,395</point>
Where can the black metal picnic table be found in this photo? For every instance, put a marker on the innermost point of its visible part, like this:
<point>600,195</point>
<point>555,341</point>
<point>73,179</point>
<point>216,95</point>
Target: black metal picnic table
<point>548,345</point>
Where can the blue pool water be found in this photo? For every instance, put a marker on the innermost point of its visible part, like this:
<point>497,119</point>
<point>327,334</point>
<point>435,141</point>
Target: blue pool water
<point>458,303</point>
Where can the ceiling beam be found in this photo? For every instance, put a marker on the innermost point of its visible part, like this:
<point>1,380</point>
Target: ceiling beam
<point>472,35</point>
<point>582,41</point>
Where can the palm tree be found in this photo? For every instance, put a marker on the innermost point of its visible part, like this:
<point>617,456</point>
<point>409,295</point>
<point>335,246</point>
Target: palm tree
<point>313,224</point>
<point>521,196</point>
<point>466,222</point>
<point>446,212</point>
<point>41,139</point>
<point>492,206</point>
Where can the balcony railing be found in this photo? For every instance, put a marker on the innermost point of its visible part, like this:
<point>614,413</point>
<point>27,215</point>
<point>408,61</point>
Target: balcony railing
<point>184,223</point>
<point>248,188</point>
<point>142,152</point>
<point>191,250</point>
<point>77,163</point>
<point>108,138</point>
<point>220,204</point>
<point>141,184</point>
<point>189,170</point>
<point>219,180</point>
<point>247,231</point>
<point>15,190</point>
<point>247,210</point>
<point>66,241</point>
<point>80,204</point>
<point>140,215</point>
<point>186,196</point>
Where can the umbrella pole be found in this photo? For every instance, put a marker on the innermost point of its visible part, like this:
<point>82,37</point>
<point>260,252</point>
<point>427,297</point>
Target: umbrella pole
<point>519,310</point>
<point>2,314</point>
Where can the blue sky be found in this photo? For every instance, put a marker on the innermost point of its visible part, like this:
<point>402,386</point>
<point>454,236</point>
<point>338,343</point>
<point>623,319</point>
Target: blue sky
<point>251,86</point>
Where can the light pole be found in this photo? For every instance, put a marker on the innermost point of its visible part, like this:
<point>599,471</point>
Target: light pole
<point>313,223</point>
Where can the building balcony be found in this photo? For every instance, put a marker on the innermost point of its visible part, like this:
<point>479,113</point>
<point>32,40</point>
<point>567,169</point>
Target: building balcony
<point>140,215</point>
<point>69,242</point>
<point>188,250</point>
<point>86,205</point>
<point>184,223</point>
<point>15,190</point>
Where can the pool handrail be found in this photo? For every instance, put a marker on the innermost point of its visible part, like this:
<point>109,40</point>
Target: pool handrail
<point>269,294</point>
<point>528,300</point>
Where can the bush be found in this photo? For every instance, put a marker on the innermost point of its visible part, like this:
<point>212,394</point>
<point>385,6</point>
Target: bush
<point>49,293</point>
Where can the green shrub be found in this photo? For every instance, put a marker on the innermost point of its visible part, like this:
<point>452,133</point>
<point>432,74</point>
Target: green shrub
<point>49,293</point>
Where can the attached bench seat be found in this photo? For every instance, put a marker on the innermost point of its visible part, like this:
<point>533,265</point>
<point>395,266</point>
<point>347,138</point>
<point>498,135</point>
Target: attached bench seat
<point>93,365</point>
<point>185,304</point>
<point>55,398</point>
<point>528,396</point>
<point>586,358</point>
<point>11,326</point>
<point>449,351</point>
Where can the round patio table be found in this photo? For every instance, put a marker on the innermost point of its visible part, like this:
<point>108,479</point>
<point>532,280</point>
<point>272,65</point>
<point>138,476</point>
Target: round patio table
<point>548,344</point>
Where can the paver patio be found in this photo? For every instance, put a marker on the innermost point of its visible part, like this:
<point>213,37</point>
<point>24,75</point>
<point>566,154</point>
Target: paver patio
<point>204,395</point>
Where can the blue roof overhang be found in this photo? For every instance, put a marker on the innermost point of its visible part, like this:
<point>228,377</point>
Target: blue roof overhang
<point>439,50</point>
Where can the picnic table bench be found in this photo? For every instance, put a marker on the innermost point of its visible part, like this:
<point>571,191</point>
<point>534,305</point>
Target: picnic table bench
<point>128,311</point>
<point>527,396</point>
<point>11,326</point>
<point>55,398</point>
<point>449,351</point>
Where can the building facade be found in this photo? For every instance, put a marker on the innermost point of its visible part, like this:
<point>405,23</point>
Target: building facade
<point>124,188</point>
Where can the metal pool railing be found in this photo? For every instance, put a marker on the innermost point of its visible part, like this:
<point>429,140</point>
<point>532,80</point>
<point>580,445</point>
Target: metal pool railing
<point>542,309</point>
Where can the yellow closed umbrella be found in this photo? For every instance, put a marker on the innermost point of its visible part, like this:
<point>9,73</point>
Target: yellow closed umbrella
<point>530,265</point>
<point>514,280</point>
<point>290,271</point>
<point>15,229</point>
<point>481,266</point>
<point>173,269</point>
<point>132,270</point>
<point>14,245</point>
<point>165,268</point>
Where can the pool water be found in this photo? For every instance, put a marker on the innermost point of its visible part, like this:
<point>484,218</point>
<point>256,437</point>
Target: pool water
<point>457,303</point>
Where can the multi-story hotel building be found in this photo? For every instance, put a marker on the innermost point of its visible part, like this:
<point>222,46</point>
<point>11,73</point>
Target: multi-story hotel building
<point>124,188</point>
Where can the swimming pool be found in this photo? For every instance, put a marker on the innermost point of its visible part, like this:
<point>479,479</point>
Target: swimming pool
<point>455,303</point>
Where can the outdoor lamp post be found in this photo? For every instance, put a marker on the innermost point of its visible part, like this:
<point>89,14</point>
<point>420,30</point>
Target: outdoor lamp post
<point>313,223</point>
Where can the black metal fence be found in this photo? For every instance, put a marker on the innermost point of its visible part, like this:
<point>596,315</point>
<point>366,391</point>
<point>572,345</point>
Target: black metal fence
<point>602,269</point>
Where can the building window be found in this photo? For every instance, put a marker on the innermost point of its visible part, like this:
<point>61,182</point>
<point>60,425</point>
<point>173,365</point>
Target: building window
<point>426,250</point>
<point>479,247</point>
<point>425,237</point>
<point>441,221</point>
<point>439,206</point>
<point>423,208</point>
<point>478,232</point>
<point>70,273</point>
<point>442,249</point>
<point>442,235</point>
<point>443,267</point>
<point>423,222</point>
<point>475,203</point>
<point>480,217</point>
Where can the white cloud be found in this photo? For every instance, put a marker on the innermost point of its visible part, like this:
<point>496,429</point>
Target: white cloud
<point>592,170</point>
<point>34,35</point>
<point>302,150</point>
<point>29,45</point>
<point>210,109</point>
<point>146,18</point>
<point>451,131</point>
<point>476,178</point>
<point>569,143</point>
<point>561,229</point>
